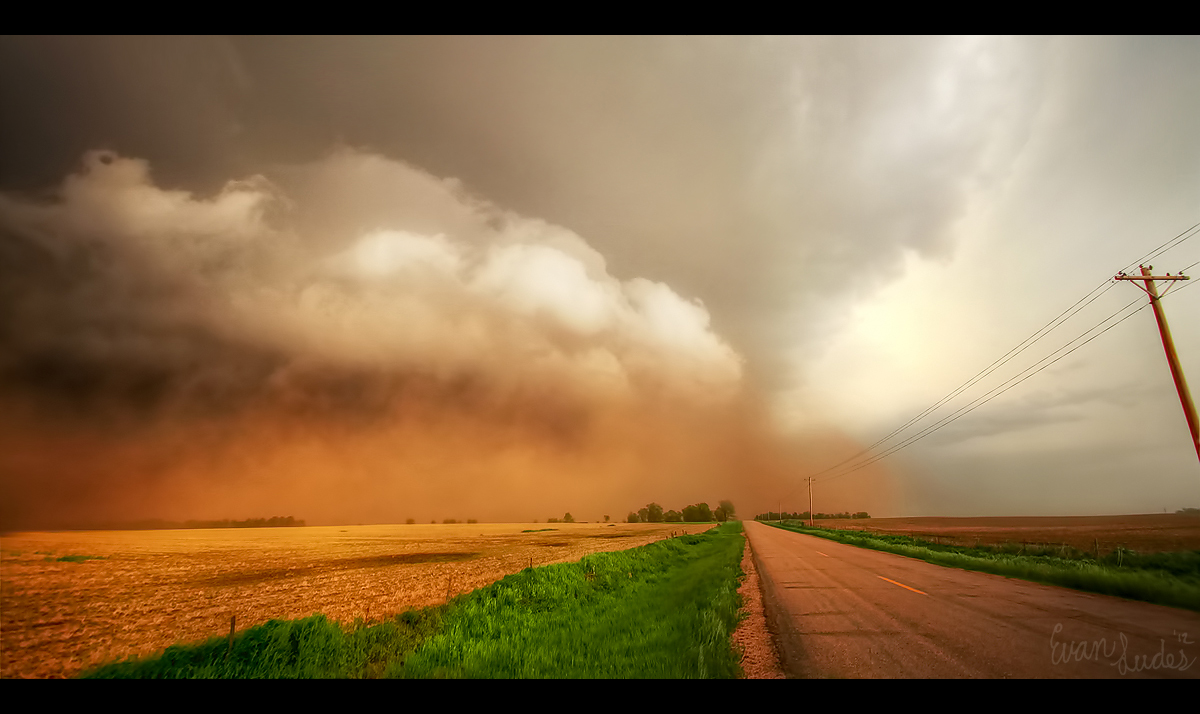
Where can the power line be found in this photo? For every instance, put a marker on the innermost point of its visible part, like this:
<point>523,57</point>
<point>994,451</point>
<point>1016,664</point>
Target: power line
<point>1164,248</point>
<point>994,393</point>
<point>1011,354</point>
<point>986,398</point>
<point>1004,359</point>
<point>1031,340</point>
<point>998,390</point>
<point>1172,290</point>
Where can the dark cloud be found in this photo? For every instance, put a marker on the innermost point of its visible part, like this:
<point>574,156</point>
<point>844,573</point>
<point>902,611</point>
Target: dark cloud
<point>155,339</point>
<point>176,100</point>
<point>451,230</point>
<point>765,159</point>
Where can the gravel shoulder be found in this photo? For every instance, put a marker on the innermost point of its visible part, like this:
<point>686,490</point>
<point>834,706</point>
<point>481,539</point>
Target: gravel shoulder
<point>760,659</point>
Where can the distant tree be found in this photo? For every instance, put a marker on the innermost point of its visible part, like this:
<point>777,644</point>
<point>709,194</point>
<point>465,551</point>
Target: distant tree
<point>568,518</point>
<point>644,514</point>
<point>410,521</point>
<point>862,514</point>
<point>720,515</point>
<point>552,520</point>
<point>633,517</point>
<point>673,517</point>
<point>449,520</point>
<point>727,506</point>
<point>606,519</point>
<point>654,513</point>
<point>472,520</point>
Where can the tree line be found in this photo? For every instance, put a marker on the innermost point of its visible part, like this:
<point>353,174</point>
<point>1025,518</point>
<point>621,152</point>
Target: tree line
<point>159,524</point>
<point>775,516</point>
<point>695,513</point>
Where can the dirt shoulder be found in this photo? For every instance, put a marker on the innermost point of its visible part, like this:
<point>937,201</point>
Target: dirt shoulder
<point>760,659</point>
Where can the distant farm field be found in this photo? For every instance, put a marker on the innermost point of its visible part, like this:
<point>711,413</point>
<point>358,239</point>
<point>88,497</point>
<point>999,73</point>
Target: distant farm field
<point>1148,533</point>
<point>70,600</point>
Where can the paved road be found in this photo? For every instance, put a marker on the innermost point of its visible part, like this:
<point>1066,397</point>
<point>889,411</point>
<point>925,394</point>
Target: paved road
<point>847,612</point>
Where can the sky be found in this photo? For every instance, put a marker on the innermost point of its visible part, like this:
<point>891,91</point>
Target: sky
<point>358,280</point>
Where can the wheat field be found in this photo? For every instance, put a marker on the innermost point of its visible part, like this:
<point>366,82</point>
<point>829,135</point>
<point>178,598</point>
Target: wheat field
<point>125,593</point>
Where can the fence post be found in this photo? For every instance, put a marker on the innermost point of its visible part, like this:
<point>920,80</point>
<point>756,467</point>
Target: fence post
<point>232,625</point>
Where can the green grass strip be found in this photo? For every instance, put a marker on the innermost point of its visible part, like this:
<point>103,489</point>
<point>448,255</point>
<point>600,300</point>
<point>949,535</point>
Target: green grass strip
<point>663,610</point>
<point>308,648</point>
<point>1171,579</point>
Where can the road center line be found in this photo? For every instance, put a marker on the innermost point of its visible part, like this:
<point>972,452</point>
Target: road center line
<point>893,582</point>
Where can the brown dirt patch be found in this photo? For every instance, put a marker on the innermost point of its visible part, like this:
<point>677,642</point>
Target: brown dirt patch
<point>1148,533</point>
<point>155,588</point>
<point>318,568</point>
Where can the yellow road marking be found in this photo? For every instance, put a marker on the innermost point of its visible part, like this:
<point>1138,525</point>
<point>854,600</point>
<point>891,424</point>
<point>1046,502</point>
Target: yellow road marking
<point>822,554</point>
<point>893,582</point>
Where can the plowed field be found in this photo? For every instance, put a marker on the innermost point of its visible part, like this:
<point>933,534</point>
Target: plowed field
<point>140,591</point>
<point>1149,533</point>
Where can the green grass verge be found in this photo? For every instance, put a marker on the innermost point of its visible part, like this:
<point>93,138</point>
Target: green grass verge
<point>309,648</point>
<point>1163,578</point>
<point>663,610</point>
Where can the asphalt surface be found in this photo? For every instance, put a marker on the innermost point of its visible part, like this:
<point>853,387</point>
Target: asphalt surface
<point>839,611</point>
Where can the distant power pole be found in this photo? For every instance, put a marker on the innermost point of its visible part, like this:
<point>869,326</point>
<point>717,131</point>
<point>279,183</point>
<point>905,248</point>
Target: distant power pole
<point>810,512</point>
<point>1185,397</point>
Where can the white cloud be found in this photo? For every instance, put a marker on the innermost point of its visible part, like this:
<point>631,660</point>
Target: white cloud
<point>493,293</point>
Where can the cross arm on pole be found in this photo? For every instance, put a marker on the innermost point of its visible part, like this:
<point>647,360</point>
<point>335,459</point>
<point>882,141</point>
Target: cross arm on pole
<point>1123,276</point>
<point>1185,397</point>
<point>1147,281</point>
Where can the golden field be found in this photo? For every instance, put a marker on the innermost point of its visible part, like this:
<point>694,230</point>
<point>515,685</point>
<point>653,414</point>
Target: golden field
<point>142,591</point>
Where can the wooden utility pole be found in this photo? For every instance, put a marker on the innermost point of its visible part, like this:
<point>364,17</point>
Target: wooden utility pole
<point>1185,397</point>
<point>810,513</point>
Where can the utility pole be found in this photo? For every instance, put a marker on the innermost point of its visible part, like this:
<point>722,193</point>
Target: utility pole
<point>1185,397</point>
<point>810,513</point>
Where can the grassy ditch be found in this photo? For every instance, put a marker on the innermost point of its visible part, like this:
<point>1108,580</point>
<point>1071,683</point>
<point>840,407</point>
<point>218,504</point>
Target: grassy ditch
<point>309,648</point>
<point>663,610</point>
<point>1163,578</point>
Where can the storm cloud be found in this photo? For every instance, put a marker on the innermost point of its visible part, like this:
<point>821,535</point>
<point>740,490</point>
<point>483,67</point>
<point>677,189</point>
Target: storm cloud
<point>416,272</point>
